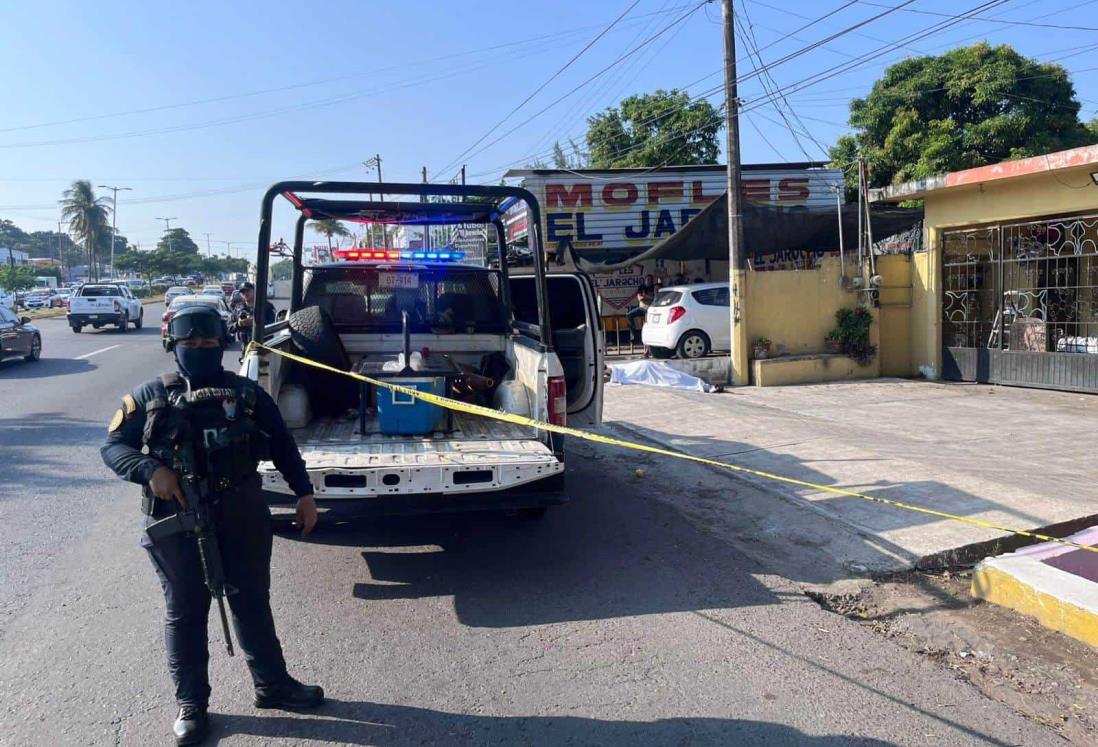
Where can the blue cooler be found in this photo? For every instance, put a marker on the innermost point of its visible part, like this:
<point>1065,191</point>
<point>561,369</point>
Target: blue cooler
<point>400,414</point>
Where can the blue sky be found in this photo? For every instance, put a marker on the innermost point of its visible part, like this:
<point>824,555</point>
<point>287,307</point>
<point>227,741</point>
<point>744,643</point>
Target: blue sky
<point>237,94</point>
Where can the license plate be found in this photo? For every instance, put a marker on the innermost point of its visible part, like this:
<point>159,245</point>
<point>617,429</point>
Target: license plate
<point>93,316</point>
<point>388,280</point>
<point>655,319</point>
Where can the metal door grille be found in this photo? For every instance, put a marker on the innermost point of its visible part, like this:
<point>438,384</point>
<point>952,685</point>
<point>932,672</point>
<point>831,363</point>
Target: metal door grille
<point>1020,303</point>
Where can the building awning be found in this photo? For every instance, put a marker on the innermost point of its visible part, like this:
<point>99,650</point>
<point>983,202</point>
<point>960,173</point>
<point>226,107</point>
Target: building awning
<point>767,230</point>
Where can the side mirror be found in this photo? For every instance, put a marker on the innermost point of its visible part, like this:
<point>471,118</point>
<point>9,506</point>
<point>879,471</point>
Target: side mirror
<point>282,315</point>
<point>24,320</point>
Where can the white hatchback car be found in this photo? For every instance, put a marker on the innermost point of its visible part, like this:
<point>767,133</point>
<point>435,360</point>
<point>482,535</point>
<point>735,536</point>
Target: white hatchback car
<point>688,320</point>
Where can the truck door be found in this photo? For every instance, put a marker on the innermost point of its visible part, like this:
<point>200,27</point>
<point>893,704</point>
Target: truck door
<point>577,337</point>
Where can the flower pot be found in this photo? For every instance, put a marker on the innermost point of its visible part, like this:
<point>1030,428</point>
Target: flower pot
<point>834,346</point>
<point>761,352</point>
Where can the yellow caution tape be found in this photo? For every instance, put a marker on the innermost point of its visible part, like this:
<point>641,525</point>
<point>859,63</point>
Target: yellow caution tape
<point>487,412</point>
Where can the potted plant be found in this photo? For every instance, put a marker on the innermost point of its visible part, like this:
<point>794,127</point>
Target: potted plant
<point>854,333</point>
<point>834,341</point>
<point>761,348</point>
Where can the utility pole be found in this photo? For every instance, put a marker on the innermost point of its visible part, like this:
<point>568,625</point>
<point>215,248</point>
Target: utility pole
<point>61,250</point>
<point>114,218</point>
<point>463,175</point>
<point>209,251</point>
<point>168,229</point>
<point>737,256</point>
<point>426,226</point>
<point>375,162</point>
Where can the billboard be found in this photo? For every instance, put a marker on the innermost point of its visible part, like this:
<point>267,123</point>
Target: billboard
<point>615,213</point>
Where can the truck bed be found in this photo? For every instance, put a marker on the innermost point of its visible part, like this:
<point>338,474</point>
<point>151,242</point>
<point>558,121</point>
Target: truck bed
<point>479,454</point>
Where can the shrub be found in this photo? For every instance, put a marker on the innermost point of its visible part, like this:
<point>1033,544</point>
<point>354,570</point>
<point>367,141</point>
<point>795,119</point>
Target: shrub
<point>854,332</point>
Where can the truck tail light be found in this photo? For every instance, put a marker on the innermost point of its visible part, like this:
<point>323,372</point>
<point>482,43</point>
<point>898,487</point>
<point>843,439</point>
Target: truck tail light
<point>558,401</point>
<point>117,307</point>
<point>676,313</point>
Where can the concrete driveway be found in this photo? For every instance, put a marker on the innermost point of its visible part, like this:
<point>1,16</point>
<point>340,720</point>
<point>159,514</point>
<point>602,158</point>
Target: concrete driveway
<point>1018,458</point>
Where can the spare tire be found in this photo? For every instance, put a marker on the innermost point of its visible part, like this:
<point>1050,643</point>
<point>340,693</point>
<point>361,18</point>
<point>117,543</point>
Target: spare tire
<point>315,337</point>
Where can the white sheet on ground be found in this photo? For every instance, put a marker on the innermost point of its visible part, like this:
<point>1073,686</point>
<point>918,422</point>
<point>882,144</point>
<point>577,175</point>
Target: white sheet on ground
<point>654,373</point>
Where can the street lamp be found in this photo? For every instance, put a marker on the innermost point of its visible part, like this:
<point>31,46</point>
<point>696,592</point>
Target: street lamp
<point>114,218</point>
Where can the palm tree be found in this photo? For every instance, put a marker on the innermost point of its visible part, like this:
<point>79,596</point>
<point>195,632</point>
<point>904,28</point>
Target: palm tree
<point>87,218</point>
<point>330,227</point>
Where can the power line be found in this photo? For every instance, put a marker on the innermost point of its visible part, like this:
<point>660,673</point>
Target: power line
<point>755,73</point>
<point>860,61</point>
<point>556,101</point>
<point>317,82</point>
<point>992,20</point>
<point>749,38</point>
<point>316,103</point>
<point>199,194</point>
<point>845,67</point>
<point>541,87</point>
<point>598,93</point>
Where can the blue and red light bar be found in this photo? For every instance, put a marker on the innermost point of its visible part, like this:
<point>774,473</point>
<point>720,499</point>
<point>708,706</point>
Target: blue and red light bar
<point>394,255</point>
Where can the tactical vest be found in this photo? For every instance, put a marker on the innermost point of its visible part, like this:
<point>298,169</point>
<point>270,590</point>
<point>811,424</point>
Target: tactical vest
<point>219,422</point>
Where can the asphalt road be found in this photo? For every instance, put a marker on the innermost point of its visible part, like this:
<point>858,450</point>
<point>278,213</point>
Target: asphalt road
<point>654,610</point>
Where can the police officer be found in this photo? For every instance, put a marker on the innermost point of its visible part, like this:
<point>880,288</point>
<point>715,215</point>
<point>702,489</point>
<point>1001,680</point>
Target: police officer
<point>243,306</point>
<point>232,424</point>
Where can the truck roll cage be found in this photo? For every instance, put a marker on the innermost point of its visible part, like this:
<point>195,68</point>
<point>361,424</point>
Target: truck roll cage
<point>479,204</point>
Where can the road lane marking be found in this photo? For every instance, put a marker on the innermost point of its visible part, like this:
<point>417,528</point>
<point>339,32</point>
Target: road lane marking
<point>96,352</point>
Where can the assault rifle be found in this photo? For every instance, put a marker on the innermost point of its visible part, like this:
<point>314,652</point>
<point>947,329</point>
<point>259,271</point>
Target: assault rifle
<point>197,520</point>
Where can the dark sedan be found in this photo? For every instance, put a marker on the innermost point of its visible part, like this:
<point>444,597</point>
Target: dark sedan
<point>18,337</point>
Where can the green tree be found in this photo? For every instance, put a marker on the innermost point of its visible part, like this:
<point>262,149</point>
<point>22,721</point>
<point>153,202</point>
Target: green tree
<point>654,129</point>
<point>177,254</point>
<point>330,227</point>
<point>573,158</point>
<point>86,215</point>
<point>17,278</point>
<point>146,264</point>
<point>177,240</point>
<point>283,269</point>
<point>969,107</point>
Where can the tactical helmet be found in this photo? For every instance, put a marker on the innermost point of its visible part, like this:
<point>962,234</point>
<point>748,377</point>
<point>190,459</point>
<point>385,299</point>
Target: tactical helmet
<point>197,321</point>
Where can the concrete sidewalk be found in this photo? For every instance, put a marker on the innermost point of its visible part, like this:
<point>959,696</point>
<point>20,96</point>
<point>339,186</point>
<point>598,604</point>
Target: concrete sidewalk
<point>1013,457</point>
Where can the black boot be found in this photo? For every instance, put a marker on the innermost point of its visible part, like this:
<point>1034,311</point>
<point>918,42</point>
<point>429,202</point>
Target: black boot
<point>292,696</point>
<point>191,725</point>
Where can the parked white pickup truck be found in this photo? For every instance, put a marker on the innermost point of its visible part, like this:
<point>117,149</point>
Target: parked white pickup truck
<point>98,304</point>
<point>477,332</point>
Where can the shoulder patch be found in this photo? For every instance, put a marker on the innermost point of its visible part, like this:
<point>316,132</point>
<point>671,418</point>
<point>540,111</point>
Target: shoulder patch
<point>117,420</point>
<point>129,405</point>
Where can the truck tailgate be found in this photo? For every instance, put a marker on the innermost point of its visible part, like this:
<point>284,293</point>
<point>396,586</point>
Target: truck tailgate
<point>480,454</point>
<point>97,305</point>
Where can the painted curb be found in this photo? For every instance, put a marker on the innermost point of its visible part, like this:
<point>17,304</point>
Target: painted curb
<point>1059,600</point>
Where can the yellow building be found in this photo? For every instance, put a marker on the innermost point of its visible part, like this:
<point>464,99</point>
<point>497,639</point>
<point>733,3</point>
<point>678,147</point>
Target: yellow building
<point>1005,287</point>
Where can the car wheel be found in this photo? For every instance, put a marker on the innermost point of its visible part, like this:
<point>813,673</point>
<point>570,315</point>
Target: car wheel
<point>76,328</point>
<point>140,320</point>
<point>693,344</point>
<point>36,349</point>
<point>124,325</point>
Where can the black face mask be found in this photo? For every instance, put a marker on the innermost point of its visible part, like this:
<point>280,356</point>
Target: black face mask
<point>200,365</point>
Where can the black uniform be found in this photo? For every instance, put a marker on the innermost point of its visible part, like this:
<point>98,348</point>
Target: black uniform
<point>241,309</point>
<point>232,426</point>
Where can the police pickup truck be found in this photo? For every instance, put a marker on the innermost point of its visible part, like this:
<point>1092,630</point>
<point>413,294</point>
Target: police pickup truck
<point>99,304</point>
<point>433,319</point>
